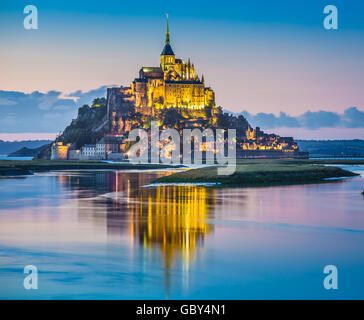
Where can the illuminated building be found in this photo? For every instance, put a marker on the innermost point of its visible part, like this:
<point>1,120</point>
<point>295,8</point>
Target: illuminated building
<point>175,96</point>
<point>174,84</point>
<point>59,151</point>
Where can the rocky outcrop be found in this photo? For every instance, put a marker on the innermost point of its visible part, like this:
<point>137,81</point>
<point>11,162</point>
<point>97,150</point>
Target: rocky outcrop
<point>82,129</point>
<point>118,118</point>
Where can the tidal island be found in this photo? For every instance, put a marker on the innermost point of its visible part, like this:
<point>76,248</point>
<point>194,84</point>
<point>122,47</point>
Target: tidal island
<point>171,93</point>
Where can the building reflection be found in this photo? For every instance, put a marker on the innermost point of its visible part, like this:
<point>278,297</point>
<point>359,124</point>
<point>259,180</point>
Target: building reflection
<point>171,219</point>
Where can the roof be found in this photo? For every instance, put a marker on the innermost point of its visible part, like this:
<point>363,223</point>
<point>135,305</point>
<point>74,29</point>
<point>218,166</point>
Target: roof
<point>183,82</point>
<point>140,80</point>
<point>102,140</point>
<point>108,140</point>
<point>151,72</point>
<point>152,69</point>
<point>167,50</point>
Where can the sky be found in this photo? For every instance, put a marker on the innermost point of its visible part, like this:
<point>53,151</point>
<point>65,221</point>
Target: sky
<point>261,57</point>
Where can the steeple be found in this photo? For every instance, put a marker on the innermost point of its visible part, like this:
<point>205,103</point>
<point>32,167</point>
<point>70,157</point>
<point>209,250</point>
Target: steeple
<point>167,32</point>
<point>167,50</point>
<point>167,55</point>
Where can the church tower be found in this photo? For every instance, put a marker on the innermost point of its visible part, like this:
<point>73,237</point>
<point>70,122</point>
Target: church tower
<point>167,55</point>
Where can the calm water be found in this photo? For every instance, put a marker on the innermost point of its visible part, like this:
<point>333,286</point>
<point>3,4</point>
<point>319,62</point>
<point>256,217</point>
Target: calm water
<point>16,158</point>
<point>102,235</point>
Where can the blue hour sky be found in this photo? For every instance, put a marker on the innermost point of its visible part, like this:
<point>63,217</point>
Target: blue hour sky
<point>259,56</point>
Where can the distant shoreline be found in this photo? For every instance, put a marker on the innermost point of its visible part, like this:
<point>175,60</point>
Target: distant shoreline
<point>338,157</point>
<point>9,168</point>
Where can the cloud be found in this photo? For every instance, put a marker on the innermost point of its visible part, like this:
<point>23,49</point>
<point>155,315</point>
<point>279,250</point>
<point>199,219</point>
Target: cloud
<point>42,112</point>
<point>269,120</point>
<point>351,118</point>
<point>48,100</point>
<point>319,119</point>
<point>86,97</point>
<point>53,111</point>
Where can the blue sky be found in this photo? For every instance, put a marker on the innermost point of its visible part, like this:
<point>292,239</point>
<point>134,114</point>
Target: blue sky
<point>259,56</point>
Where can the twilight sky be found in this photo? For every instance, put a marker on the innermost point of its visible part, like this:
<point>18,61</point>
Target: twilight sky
<point>259,56</point>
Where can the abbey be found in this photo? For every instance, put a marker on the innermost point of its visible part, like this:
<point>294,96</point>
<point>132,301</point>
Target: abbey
<point>174,96</point>
<point>174,84</point>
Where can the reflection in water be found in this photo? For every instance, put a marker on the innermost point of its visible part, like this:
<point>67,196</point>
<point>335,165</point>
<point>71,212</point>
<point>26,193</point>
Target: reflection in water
<point>102,235</point>
<point>171,218</point>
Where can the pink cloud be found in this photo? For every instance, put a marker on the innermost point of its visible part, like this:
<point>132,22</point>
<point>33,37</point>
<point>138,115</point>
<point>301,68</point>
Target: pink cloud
<point>27,136</point>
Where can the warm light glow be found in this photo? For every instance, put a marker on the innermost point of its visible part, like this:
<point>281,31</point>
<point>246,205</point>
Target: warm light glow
<point>175,221</point>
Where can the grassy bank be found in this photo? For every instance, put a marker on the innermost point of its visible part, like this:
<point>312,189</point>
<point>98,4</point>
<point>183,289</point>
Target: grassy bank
<point>12,168</point>
<point>249,172</point>
<point>335,161</point>
<point>261,172</point>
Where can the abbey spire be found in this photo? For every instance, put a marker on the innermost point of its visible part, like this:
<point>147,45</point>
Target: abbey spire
<point>167,55</point>
<point>167,32</point>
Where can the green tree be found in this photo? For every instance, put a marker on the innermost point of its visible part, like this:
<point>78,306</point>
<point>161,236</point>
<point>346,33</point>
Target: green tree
<point>99,102</point>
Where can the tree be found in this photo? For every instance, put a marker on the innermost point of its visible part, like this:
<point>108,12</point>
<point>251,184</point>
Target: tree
<point>172,118</point>
<point>99,102</point>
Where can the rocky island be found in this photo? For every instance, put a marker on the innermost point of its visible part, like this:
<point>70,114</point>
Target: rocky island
<point>175,96</point>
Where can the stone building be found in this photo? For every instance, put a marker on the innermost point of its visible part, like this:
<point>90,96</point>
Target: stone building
<point>74,154</point>
<point>59,151</point>
<point>106,146</point>
<point>88,151</point>
<point>176,86</point>
<point>120,105</point>
<point>173,84</point>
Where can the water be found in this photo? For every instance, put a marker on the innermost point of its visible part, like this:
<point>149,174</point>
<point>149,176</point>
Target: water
<point>101,235</point>
<point>337,158</point>
<point>16,158</point>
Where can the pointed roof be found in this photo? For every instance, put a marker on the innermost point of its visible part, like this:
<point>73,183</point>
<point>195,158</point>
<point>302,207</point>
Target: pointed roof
<point>167,50</point>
